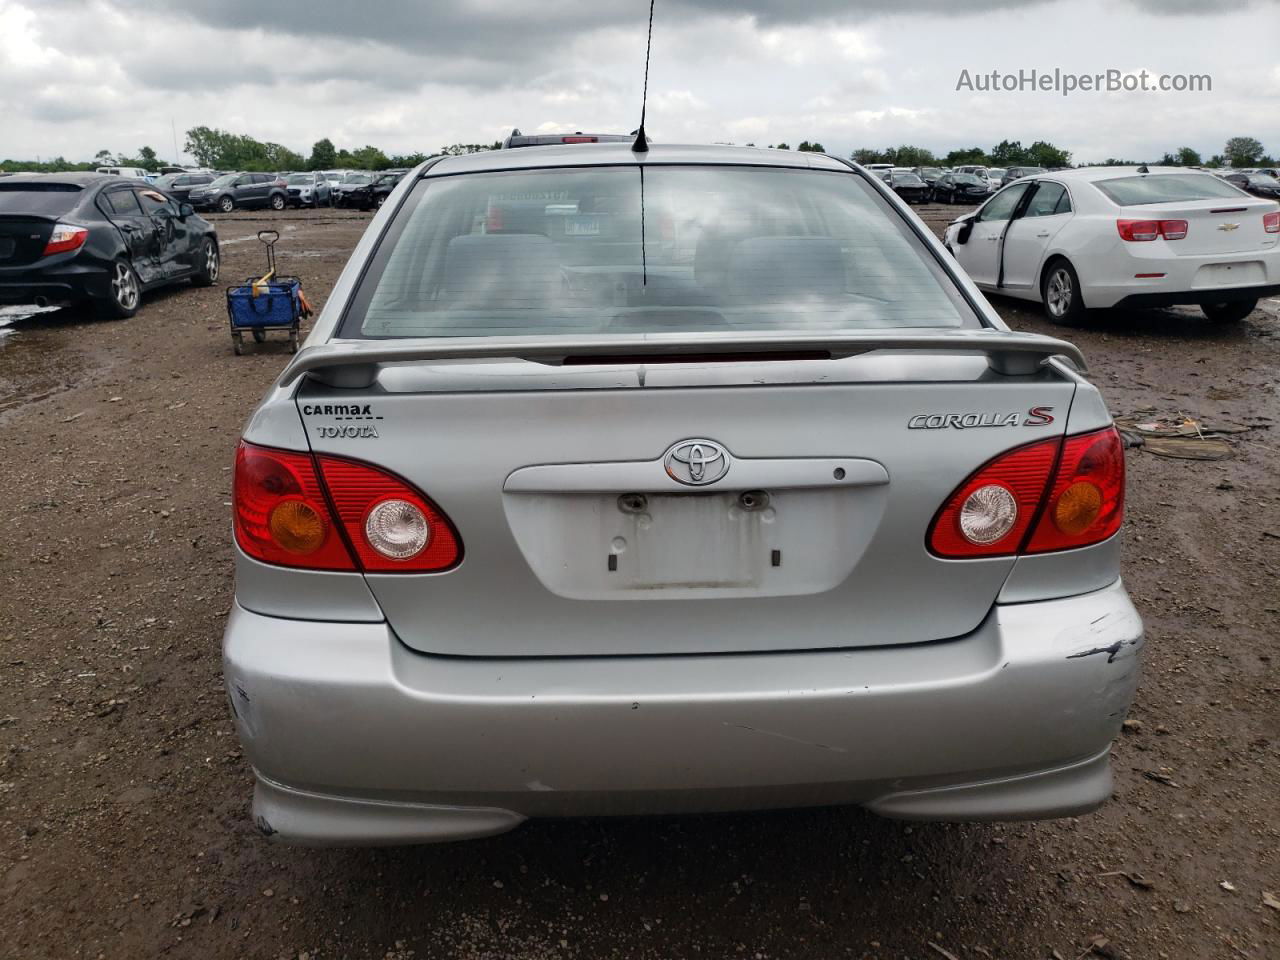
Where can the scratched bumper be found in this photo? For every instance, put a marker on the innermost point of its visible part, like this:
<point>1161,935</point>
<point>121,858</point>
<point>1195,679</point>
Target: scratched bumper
<point>356,739</point>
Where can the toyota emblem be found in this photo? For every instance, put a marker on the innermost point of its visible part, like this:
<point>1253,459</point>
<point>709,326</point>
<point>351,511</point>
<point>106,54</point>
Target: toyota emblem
<point>696,462</point>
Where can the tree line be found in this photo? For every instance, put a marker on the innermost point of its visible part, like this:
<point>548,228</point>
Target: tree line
<point>223,150</point>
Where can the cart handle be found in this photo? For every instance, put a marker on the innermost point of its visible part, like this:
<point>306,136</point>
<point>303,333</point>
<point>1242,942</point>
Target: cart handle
<point>264,234</point>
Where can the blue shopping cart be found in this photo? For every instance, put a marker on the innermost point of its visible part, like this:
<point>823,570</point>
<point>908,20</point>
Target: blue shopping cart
<point>269,302</point>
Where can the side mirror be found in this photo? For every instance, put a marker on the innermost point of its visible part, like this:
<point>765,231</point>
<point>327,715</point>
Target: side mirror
<point>185,210</point>
<point>966,228</point>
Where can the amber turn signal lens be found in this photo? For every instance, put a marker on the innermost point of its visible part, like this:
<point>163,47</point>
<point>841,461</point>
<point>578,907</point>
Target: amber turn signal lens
<point>1077,508</point>
<point>296,527</point>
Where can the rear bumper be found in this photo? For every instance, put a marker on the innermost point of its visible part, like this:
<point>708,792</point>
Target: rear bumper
<point>1184,280</point>
<point>64,283</point>
<point>1198,297</point>
<point>357,740</point>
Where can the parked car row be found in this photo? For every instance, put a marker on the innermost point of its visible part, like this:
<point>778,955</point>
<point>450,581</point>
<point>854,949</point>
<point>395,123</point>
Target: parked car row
<point>971,183</point>
<point>98,239</point>
<point>244,190</point>
<point>1078,240</point>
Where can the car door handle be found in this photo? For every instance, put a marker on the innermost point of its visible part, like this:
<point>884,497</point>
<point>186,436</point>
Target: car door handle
<point>1043,235</point>
<point>128,227</point>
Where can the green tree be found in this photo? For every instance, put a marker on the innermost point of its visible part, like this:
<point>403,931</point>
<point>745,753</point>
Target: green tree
<point>147,159</point>
<point>782,146</point>
<point>867,155</point>
<point>407,159</point>
<point>1188,157</point>
<point>324,156</point>
<point>103,158</point>
<point>1008,153</point>
<point>969,155</point>
<point>370,158</point>
<point>909,156</point>
<point>1044,154</point>
<point>807,147</point>
<point>1243,151</point>
<point>206,145</point>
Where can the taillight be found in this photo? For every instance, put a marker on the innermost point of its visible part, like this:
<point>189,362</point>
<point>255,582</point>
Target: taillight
<point>1271,222</point>
<point>1143,230</point>
<point>65,237</point>
<point>281,515</point>
<point>285,511</point>
<point>579,139</point>
<point>393,527</point>
<point>988,515</point>
<point>1086,504</point>
<point>991,513</point>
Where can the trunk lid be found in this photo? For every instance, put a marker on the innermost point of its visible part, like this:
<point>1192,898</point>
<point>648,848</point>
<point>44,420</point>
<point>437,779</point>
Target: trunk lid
<point>23,239</point>
<point>1214,227</point>
<point>578,542</point>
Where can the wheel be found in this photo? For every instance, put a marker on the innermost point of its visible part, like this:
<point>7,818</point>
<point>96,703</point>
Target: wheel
<point>293,341</point>
<point>1232,312</point>
<point>1060,293</point>
<point>226,204</point>
<point>381,200</point>
<point>124,293</point>
<point>259,336</point>
<point>208,262</point>
<point>277,202</point>
<point>237,342</point>
<point>315,201</point>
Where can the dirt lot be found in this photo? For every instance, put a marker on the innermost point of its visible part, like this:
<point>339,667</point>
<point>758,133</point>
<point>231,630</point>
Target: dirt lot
<point>124,827</point>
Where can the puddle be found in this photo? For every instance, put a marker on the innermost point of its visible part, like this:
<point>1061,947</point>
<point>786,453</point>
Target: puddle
<point>35,360</point>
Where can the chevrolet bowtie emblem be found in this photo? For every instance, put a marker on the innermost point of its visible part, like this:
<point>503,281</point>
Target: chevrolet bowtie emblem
<point>1228,227</point>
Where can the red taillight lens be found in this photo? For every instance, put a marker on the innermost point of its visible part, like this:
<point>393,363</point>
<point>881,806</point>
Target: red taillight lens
<point>1138,231</point>
<point>1086,504</point>
<point>384,519</point>
<point>280,511</point>
<point>991,513</point>
<point>1023,473</point>
<point>284,512</point>
<point>65,237</point>
<point>1271,222</point>
<point>579,139</point>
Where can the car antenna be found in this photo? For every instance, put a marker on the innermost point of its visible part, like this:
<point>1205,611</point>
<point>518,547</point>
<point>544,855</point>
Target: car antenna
<point>641,144</point>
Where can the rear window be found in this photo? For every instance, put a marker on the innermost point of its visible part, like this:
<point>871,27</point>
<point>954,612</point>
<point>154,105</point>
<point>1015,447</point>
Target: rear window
<point>610,250</point>
<point>1166,188</point>
<point>44,199</point>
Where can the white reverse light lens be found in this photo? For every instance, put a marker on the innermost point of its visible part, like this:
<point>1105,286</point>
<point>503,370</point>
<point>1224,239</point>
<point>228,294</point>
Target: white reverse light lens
<point>988,514</point>
<point>397,529</point>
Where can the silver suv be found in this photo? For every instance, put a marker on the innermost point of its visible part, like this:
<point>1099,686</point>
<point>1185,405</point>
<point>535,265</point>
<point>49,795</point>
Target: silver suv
<point>698,479</point>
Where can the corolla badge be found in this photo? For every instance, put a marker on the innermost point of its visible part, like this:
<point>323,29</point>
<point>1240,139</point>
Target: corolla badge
<point>696,462</point>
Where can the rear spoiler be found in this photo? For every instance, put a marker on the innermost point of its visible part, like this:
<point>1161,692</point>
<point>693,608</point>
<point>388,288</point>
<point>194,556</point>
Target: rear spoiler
<point>354,363</point>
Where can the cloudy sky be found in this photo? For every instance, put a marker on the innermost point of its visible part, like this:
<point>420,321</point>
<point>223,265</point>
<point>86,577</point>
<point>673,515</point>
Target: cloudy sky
<point>77,76</point>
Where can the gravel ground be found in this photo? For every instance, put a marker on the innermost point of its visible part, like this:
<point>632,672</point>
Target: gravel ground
<point>124,827</point>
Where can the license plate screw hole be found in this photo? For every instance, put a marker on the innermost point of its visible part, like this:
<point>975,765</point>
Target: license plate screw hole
<point>633,503</point>
<point>753,500</point>
<point>838,473</point>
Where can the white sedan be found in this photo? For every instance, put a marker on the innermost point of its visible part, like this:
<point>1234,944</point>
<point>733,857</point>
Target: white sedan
<point>1123,237</point>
